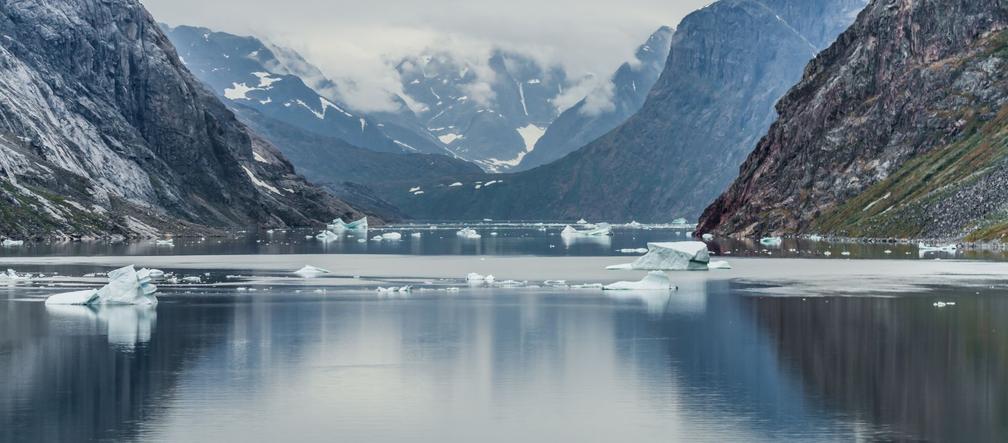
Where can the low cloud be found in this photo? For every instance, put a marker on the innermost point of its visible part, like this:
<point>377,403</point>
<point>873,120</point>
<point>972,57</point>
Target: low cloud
<point>355,44</point>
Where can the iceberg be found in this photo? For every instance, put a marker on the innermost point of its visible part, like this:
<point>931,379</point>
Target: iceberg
<point>582,222</point>
<point>634,225</point>
<point>391,236</point>
<point>770,241</point>
<point>673,256</point>
<point>376,238</point>
<point>339,225</point>
<point>600,230</point>
<point>468,234</point>
<point>126,286</point>
<point>327,236</point>
<point>309,271</point>
<point>654,281</point>
<point>633,251</point>
<point>951,249</point>
<point>455,185</point>
<point>707,237</point>
<point>168,242</point>
<point>8,243</point>
<point>416,235</point>
<point>721,264</point>
<point>11,277</point>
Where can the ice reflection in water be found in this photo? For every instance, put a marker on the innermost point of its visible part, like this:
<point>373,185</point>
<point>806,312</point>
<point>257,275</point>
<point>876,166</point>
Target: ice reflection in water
<point>704,363</point>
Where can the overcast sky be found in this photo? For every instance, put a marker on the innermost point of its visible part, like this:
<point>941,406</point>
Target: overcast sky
<point>355,39</point>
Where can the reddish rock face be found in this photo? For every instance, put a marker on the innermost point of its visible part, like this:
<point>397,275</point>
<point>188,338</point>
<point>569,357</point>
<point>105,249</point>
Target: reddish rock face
<point>862,140</point>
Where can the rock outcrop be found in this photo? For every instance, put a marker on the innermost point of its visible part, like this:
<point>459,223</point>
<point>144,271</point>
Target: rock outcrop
<point>104,130</point>
<point>897,130</point>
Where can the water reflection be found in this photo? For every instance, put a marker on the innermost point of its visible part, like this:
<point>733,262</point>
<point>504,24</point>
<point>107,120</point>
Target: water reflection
<point>923,373</point>
<point>501,365</point>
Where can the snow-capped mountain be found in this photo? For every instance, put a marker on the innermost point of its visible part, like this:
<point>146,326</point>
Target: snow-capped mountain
<point>279,83</point>
<point>103,129</point>
<point>491,113</point>
<point>607,107</point>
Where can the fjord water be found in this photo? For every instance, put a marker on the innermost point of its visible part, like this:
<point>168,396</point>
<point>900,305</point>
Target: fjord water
<point>708,363</point>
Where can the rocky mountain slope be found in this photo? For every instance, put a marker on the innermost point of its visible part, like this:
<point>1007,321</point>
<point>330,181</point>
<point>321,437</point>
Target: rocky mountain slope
<point>605,108</point>
<point>897,130</point>
<point>276,82</point>
<point>728,65</point>
<point>492,113</point>
<point>102,129</point>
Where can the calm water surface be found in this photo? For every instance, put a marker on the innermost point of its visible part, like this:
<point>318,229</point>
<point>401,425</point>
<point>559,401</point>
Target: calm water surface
<point>708,363</point>
<point>497,239</point>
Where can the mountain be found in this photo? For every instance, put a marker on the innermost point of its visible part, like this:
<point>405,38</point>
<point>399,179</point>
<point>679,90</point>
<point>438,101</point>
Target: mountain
<point>897,130</point>
<point>281,84</point>
<point>728,65</point>
<point>607,107</point>
<point>350,172</point>
<point>490,113</point>
<point>103,129</point>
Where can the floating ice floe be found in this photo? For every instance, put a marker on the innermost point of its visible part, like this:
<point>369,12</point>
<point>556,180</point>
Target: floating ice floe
<point>376,238</point>
<point>708,237</point>
<point>654,281</point>
<point>414,189</point>
<point>468,234</point>
<point>672,256</point>
<point>474,278</point>
<point>951,249</point>
<point>393,236</point>
<point>309,271</point>
<point>416,235</point>
<point>720,264</point>
<point>8,243</point>
<point>633,251</point>
<point>600,230</point>
<point>634,225</point>
<point>168,242</point>
<point>126,286</point>
<point>942,304</point>
<point>582,222</point>
<point>455,185</point>
<point>770,241</point>
<point>393,290</point>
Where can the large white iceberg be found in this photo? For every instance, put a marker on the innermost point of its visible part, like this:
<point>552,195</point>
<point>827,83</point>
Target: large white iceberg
<point>770,241</point>
<point>654,281</point>
<point>126,286</point>
<point>672,256</point>
<point>393,236</point>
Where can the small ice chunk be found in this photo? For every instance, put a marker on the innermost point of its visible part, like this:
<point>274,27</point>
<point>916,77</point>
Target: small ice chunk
<point>327,236</point>
<point>416,235</point>
<point>708,237</point>
<point>770,241</point>
<point>414,189</point>
<point>582,222</point>
<point>633,251</point>
<point>391,236</point>
<point>468,234</point>
<point>376,238</point>
<point>654,281</point>
<point>672,256</point>
<point>169,242</point>
<point>8,243</point>
<point>309,271</point>
<point>455,185</point>
<point>720,264</point>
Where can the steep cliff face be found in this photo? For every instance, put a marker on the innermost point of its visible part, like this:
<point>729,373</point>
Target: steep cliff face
<point>94,98</point>
<point>898,129</point>
<point>729,64</point>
